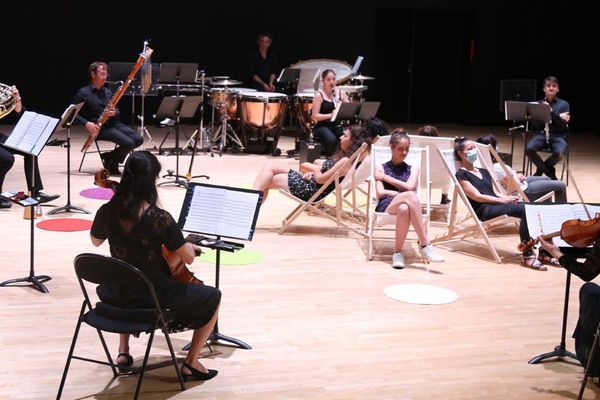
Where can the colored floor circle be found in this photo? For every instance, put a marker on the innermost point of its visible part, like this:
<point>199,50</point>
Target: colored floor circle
<point>65,224</point>
<point>241,257</point>
<point>97,193</point>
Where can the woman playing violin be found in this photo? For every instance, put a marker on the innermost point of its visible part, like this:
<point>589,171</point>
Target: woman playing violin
<point>589,298</point>
<point>137,229</point>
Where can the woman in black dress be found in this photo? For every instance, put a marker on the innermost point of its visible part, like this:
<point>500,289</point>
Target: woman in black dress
<point>137,229</point>
<point>305,183</point>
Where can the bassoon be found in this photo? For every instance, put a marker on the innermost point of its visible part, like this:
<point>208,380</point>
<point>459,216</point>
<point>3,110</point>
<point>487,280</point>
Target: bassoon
<point>117,96</point>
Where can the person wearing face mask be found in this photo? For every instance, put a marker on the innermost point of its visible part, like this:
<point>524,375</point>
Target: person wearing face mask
<point>533,186</point>
<point>487,204</point>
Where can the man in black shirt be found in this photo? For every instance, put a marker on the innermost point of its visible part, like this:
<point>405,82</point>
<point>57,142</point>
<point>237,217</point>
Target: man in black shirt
<point>96,97</point>
<point>557,138</point>
<point>263,64</point>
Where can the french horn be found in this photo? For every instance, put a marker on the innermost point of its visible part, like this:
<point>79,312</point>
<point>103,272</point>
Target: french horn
<point>7,100</point>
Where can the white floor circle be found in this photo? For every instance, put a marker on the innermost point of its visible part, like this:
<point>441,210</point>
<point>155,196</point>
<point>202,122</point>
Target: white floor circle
<point>417,293</point>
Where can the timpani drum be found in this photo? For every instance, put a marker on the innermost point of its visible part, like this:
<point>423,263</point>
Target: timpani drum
<point>262,114</point>
<point>262,110</point>
<point>302,106</point>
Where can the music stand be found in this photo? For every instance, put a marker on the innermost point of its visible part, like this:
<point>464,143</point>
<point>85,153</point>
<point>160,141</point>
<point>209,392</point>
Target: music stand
<point>205,210</point>
<point>65,124</point>
<point>352,111</point>
<point>288,78</point>
<point>522,111</point>
<point>30,136</point>
<point>559,351</point>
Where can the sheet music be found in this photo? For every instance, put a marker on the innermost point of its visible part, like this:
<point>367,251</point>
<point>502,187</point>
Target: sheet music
<point>31,132</point>
<point>546,219</point>
<point>222,212</point>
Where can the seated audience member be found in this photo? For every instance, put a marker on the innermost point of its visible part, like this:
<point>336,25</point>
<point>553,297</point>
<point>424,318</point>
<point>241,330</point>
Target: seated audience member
<point>376,127</point>
<point>533,186</point>
<point>430,130</point>
<point>396,185</point>
<point>487,204</point>
<point>306,182</point>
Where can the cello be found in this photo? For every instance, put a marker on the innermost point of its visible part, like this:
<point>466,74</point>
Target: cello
<point>179,271</point>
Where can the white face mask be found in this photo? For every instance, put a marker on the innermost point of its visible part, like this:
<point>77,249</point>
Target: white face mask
<point>472,156</point>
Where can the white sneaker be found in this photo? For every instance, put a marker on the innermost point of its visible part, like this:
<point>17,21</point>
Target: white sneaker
<point>398,260</point>
<point>431,254</point>
<point>167,122</point>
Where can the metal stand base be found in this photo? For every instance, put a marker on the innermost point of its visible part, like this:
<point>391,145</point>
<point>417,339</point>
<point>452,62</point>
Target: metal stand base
<point>216,336</point>
<point>67,209</point>
<point>37,281</point>
<point>560,350</point>
<point>176,181</point>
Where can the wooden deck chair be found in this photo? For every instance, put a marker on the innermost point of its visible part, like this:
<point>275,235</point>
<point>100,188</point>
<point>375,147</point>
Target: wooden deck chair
<point>487,154</point>
<point>354,187</point>
<point>315,206</point>
<point>381,225</point>
<point>470,225</point>
<point>439,181</point>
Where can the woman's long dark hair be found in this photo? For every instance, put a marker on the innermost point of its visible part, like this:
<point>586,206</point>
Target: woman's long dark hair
<point>359,135</point>
<point>138,185</point>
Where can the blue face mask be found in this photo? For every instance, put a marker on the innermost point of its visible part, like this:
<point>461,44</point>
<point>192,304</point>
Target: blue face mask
<point>472,156</point>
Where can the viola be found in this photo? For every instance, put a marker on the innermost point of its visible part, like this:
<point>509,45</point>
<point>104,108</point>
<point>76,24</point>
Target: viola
<point>179,271</point>
<point>576,232</point>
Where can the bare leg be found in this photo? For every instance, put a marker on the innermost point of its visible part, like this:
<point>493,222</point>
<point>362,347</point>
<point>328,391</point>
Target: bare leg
<point>414,207</point>
<point>123,346</point>
<point>402,225</point>
<point>198,340</point>
<point>270,177</point>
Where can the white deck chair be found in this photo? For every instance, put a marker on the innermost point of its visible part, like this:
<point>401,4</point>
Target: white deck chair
<point>471,225</point>
<point>313,205</point>
<point>381,225</point>
<point>486,152</point>
<point>354,187</point>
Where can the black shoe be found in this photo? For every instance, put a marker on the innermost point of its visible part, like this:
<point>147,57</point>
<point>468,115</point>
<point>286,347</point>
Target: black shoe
<point>124,366</point>
<point>551,173</point>
<point>201,376</point>
<point>5,204</point>
<point>45,198</point>
<point>445,199</point>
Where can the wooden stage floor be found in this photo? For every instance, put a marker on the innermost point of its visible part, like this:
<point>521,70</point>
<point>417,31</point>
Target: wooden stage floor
<point>313,311</point>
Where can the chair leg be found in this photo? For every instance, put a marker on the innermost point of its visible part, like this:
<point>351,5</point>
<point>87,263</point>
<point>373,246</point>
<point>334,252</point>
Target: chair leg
<point>174,358</point>
<point>71,350</point>
<point>589,364</point>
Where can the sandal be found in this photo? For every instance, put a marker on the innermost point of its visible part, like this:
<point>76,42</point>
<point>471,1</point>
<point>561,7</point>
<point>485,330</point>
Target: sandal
<point>548,260</point>
<point>124,366</point>
<point>533,263</point>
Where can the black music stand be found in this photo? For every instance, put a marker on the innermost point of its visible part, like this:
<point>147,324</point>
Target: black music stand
<point>559,351</point>
<point>199,135</point>
<point>522,111</point>
<point>65,124</point>
<point>176,107</point>
<point>30,136</point>
<point>351,112</point>
<point>205,210</point>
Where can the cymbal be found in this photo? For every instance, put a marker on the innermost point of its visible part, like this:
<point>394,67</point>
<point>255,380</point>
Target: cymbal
<point>225,82</point>
<point>362,77</point>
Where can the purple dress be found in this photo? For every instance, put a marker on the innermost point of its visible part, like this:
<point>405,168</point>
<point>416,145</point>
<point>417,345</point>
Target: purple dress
<point>400,172</point>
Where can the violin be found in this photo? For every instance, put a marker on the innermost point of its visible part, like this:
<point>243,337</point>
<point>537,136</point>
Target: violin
<point>576,232</point>
<point>179,271</point>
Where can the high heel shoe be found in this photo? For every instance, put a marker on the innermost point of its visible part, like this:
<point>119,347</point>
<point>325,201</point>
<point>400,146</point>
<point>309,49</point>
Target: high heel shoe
<point>199,375</point>
<point>125,366</point>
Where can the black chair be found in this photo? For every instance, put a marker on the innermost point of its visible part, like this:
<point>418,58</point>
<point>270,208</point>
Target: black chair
<point>593,352</point>
<point>88,151</point>
<point>98,269</point>
<point>548,150</point>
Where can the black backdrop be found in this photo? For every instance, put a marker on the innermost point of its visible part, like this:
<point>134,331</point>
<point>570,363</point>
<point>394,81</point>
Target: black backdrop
<point>457,51</point>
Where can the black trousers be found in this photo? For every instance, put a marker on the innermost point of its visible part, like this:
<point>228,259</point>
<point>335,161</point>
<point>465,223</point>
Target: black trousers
<point>124,137</point>
<point>517,210</point>
<point>7,159</point>
<point>589,317</point>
